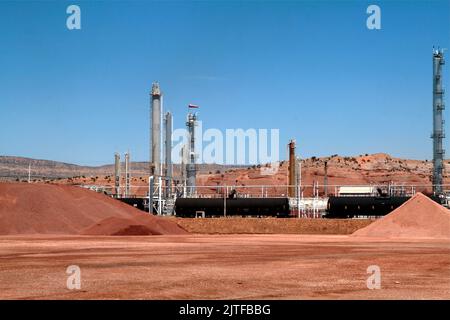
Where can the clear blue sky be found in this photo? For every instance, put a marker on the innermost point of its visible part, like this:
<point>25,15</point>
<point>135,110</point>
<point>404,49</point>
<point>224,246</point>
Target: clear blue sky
<point>310,68</point>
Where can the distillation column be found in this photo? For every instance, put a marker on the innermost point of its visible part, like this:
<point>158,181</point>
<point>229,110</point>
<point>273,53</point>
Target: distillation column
<point>438,122</point>
<point>155,130</point>
<point>191,171</point>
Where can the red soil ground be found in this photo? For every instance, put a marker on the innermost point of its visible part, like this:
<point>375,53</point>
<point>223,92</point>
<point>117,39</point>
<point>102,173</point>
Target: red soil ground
<point>419,217</point>
<point>206,266</point>
<point>67,210</point>
<point>223,267</point>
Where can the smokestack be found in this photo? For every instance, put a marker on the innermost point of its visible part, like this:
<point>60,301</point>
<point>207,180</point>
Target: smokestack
<point>117,174</point>
<point>127,174</point>
<point>325,179</point>
<point>438,122</point>
<point>168,150</point>
<point>191,170</point>
<point>292,180</point>
<point>155,130</point>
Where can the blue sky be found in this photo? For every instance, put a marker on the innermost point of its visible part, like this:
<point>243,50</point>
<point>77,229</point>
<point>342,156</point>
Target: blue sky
<point>310,68</point>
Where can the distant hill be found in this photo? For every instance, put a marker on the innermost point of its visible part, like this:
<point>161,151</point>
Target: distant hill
<point>12,168</point>
<point>367,169</point>
<point>374,169</point>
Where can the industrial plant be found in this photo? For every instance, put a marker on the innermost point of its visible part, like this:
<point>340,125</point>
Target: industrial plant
<point>180,195</point>
<point>214,150</point>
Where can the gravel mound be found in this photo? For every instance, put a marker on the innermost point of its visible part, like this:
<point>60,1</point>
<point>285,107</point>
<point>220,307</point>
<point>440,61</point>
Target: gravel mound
<point>419,217</point>
<point>69,210</point>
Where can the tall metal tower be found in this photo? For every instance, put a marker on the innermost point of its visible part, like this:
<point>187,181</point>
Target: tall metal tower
<point>191,170</point>
<point>117,174</point>
<point>168,152</point>
<point>155,130</point>
<point>438,122</point>
<point>127,174</point>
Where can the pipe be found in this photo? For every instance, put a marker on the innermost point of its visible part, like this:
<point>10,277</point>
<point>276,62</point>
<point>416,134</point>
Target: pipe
<point>168,150</point>
<point>117,174</point>
<point>127,174</point>
<point>292,161</point>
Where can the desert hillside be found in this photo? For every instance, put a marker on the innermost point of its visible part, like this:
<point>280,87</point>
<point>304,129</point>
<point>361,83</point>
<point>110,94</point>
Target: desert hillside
<point>13,168</point>
<point>364,169</point>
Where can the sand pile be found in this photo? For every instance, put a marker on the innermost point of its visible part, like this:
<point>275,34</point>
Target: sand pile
<point>114,226</point>
<point>419,217</point>
<point>56,209</point>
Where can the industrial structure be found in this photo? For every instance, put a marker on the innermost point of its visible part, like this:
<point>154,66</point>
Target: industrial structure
<point>155,130</point>
<point>169,194</point>
<point>160,195</point>
<point>127,174</point>
<point>168,170</point>
<point>191,169</point>
<point>438,122</point>
<point>292,169</point>
<point>117,174</point>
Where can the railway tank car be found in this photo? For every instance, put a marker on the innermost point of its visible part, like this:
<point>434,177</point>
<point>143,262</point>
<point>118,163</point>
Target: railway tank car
<point>374,206</point>
<point>349,207</point>
<point>250,207</point>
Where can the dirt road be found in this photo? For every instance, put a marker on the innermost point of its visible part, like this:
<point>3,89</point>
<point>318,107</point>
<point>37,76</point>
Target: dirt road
<point>223,267</point>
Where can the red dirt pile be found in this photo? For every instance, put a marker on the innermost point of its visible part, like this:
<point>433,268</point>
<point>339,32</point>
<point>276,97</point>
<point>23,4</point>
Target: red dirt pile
<point>115,226</point>
<point>67,210</point>
<point>419,217</point>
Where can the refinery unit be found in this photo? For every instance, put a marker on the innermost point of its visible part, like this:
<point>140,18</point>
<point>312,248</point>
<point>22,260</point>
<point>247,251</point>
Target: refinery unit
<point>179,195</point>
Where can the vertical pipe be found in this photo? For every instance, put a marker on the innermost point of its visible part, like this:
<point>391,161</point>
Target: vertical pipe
<point>225,191</point>
<point>151,181</point>
<point>159,196</point>
<point>325,180</point>
<point>117,174</point>
<point>168,151</point>
<point>438,128</point>
<point>292,165</point>
<point>127,174</point>
<point>300,175</point>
